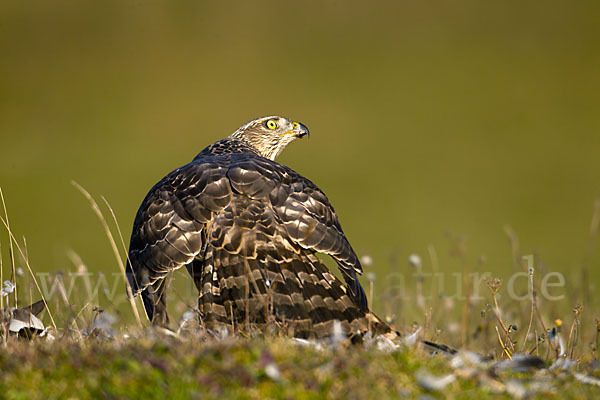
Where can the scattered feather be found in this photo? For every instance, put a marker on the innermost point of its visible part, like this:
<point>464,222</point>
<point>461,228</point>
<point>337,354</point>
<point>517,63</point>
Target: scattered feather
<point>520,363</point>
<point>562,345</point>
<point>308,343</point>
<point>516,389</point>
<point>563,364</point>
<point>103,324</point>
<point>464,359</point>
<point>385,344</point>
<point>590,380</point>
<point>433,383</point>
<point>23,321</point>
<point>8,288</point>
<point>337,333</point>
<point>412,339</point>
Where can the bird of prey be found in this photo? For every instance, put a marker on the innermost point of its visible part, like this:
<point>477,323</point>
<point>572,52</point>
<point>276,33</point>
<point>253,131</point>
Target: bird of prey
<point>248,229</point>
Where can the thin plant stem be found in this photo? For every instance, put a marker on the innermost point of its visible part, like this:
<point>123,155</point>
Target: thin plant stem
<point>571,344</point>
<point>504,348</point>
<point>532,308</point>
<point>14,240</point>
<point>537,312</point>
<point>597,337</point>
<point>593,233</point>
<point>113,245</point>
<point>129,291</point>
<point>10,249</point>
<point>1,278</point>
<point>497,312</point>
<point>514,246</point>
<point>434,258</point>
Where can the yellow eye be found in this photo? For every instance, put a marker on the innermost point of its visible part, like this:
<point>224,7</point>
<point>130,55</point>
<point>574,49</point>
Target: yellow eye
<point>294,125</point>
<point>271,124</point>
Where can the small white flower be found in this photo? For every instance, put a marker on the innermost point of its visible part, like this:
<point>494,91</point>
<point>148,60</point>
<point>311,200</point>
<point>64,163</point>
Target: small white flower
<point>366,260</point>
<point>272,371</point>
<point>415,260</point>
<point>371,277</point>
<point>20,271</point>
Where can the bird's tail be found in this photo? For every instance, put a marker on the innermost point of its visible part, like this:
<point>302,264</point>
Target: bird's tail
<point>295,292</point>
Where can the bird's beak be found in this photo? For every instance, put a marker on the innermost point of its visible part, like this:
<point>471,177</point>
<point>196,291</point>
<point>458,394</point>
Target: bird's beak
<point>300,130</point>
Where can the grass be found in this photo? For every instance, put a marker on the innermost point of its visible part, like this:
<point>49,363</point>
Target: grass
<point>90,352</point>
<point>164,367</point>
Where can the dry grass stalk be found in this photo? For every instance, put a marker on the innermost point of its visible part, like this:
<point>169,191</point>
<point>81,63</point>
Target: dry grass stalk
<point>532,292</point>
<point>504,348</point>
<point>13,240</point>
<point>572,341</point>
<point>539,315</point>
<point>494,285</point>
<point>514,246</point>
<point>585,279</point>
<point>113,245</point>
<point>1,277</point>
<point>10,250</point>
<point>129,293</point>
<point>597,336</point>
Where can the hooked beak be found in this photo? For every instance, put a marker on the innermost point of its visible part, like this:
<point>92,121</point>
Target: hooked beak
<point>300,130</point>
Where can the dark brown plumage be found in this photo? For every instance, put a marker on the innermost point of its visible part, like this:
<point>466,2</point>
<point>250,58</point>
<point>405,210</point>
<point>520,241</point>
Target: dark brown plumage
<point>247,228</point>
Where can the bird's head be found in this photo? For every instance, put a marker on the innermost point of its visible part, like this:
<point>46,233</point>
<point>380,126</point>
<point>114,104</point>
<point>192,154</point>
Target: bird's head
<point>269,135</point>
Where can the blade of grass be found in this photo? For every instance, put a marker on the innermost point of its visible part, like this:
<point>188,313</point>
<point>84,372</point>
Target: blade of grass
<point>541,320</point>
<point>504,348</point>
<point>129,291</point>
<point>14,240</point>
<point>531,290</point>
<point>10,248</point>
<point>1,277</point>
<point>113,245</point>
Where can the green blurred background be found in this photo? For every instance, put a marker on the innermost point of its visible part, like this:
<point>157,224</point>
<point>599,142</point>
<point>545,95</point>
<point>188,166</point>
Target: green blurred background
<point>425,118</point>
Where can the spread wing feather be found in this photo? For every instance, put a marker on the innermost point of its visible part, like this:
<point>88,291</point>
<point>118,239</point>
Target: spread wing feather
<point>169,227</point>
<point>190,214</point>
<point>305,212</point>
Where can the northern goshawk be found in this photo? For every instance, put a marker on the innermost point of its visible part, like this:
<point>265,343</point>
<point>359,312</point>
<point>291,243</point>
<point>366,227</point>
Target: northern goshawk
<point>248,229</point>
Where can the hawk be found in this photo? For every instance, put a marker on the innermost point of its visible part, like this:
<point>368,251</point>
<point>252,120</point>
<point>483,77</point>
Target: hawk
<point>248,229</point>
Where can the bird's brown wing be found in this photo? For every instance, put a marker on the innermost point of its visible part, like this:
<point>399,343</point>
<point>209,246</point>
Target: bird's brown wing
<point>304,211</point>
<point>169,227</point>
